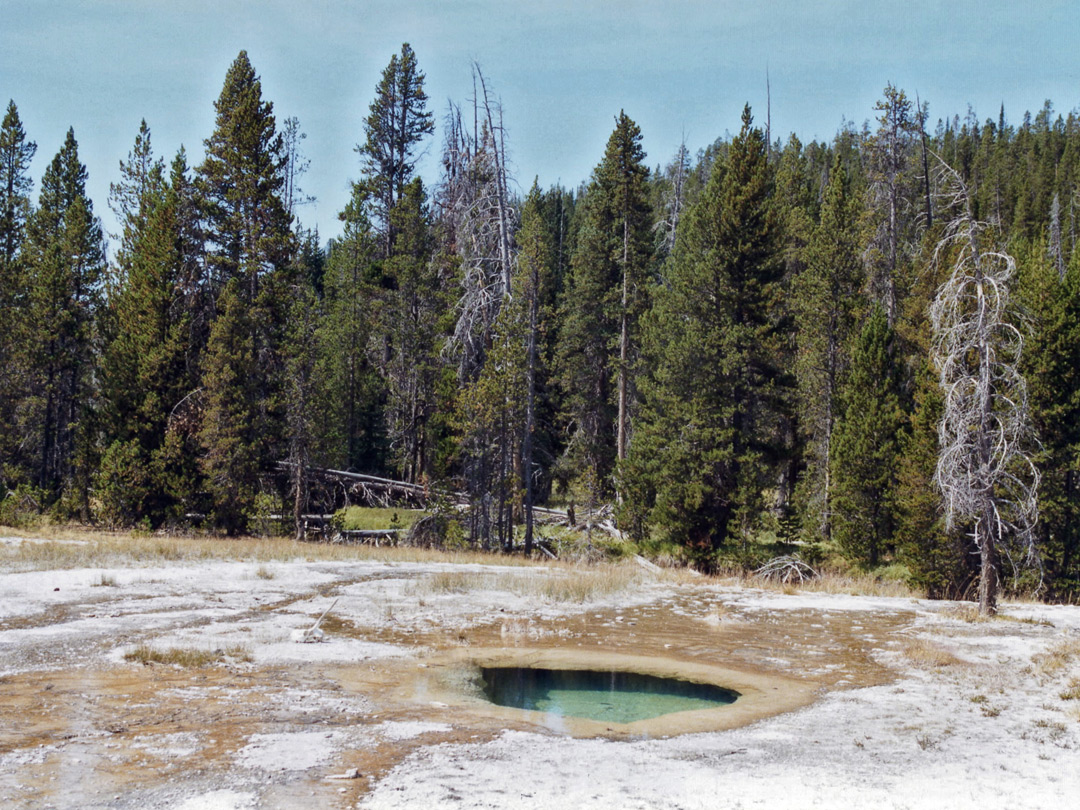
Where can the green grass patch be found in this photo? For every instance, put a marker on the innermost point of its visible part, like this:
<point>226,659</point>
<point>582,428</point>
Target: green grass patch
<point>358,518</point>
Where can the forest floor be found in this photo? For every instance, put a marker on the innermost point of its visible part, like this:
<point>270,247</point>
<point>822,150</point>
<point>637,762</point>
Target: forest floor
<point>161,677</point>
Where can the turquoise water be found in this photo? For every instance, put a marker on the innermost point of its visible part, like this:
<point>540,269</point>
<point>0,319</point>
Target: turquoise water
<point>614,697</point>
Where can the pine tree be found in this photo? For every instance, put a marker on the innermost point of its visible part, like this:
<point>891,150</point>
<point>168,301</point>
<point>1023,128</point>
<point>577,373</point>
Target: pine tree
<point>241,182</point>
<point>141,177</point>
<point>354,431</point>
<point>233,436</point>
<point>303,407</point>
<point>396,123</point>
<point>194,280</point>
<point>247,226</point>
<point>826,305</point>
<point>797,203</point>
<point>892,191</point>
<point>863,463</point>
<point>1052,368</point>
<point>144,367</point>
<point>491,420</point>
<point>409,326</point>
<point>16,187</point>
<point>708,440</point>
<point>605,296</point>
<point>535,280</point>
<point>64,259</point>
<point>938,560</point>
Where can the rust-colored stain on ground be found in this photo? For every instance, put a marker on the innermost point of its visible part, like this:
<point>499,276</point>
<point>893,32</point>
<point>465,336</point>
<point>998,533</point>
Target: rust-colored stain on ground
<point>116,728</point>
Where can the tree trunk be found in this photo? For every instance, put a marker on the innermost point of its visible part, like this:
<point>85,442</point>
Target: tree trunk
<point>624,345</point>
<point>989,582</point>
<point>986,525</point>
<point>530,412</point>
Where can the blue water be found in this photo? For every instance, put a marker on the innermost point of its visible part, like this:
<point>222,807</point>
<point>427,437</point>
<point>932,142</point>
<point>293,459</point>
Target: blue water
<point>615,697</point>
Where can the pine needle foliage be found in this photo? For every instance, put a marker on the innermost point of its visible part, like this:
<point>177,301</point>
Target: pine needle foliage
<point>707,441</point>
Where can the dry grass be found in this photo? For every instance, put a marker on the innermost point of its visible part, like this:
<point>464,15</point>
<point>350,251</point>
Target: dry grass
<point>1071,690</point>
<point>965,613</point>
<point>559,583</point>
<point>832,582</point>
<point>969,612</point>
<point>66,548</point>
<point>862,585</point>
<point>1056,659</point>
<point>927,655</point>
<point>188,657</point>
<point>456,582</point>
<point>586,585</point>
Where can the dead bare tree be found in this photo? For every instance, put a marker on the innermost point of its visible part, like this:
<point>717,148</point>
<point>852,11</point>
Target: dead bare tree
<point>475,208</point>
<point>674,199</point>
<point>296,166</point>
<point>985,467</point>
<point>476,211</point>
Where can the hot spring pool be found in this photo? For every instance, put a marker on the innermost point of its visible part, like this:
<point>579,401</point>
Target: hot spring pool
<point>608,696</point>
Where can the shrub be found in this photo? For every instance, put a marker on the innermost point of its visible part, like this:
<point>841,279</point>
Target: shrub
<point>23,506</point>
<point>122,485</point>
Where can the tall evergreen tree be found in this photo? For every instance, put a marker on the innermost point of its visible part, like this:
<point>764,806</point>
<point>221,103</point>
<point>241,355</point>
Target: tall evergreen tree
<point>535,264</point>
<point>797,201</point>
<point>354,430</point>
<point>714,397</point>
<point>241,183</point>
<point>16,186</point>
<point>141,175</point>
<point>247,227</point>
<point>396,123</point>
<point>16,152</point>
<point>65,263</point>
<point>233,436</point>
<point>826,308</point>
<point>1052,368</point>
<point>938,559</point>
<point>863,462</point>
<point>194,279</point>
<point>491,417</point>
<point>409,326</point>
<point>144,367</point>
<point>303,407</point>
<point>605,296</point>
<point>893,189</point>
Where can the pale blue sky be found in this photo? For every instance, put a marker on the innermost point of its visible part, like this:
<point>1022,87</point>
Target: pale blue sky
<point>563,68</point>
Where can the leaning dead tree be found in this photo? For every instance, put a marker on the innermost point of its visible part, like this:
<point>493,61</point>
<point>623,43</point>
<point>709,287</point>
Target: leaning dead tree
<point>985,467</point>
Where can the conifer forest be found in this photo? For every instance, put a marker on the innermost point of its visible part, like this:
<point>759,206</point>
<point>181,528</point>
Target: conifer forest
<point>864,352</point>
